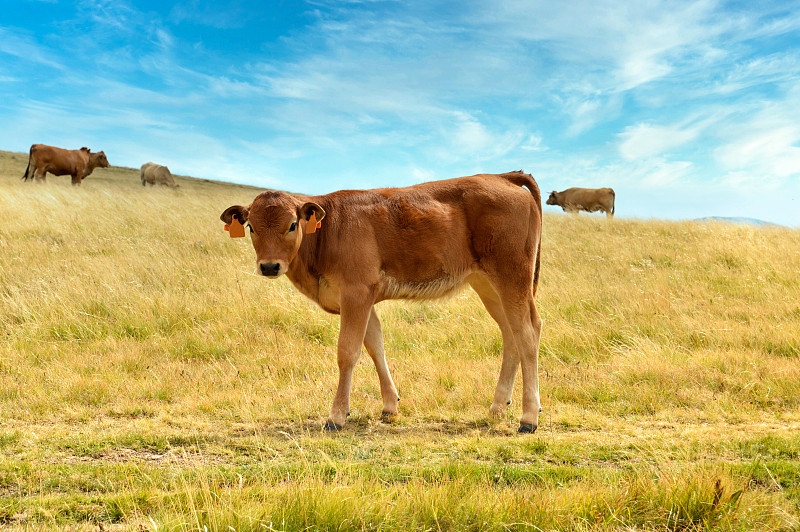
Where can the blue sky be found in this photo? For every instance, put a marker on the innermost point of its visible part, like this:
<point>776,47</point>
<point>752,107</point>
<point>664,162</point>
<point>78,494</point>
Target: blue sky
<point>686,109</point>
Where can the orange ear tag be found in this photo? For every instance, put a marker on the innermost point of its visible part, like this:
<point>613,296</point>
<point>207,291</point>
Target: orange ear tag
<point>235,228</point>
<point>312,225</point>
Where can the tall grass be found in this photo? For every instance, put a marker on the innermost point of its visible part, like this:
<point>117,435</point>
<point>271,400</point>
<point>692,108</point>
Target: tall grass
<point>149,379</point>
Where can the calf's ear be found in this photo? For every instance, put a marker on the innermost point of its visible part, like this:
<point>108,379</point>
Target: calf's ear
<point>307,209</point>
<point>240,211</point>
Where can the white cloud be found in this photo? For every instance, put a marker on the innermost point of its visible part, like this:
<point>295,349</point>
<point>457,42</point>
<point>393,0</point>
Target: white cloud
<point>761,145</point>
<point>664,173</point>
<point>635,42</point>
<point>467,138</point>
<point>27,49</point>
<point>110,15</point>
<point>783,67</point>
<point>533,143</point>
<point>219,15</point>
<point>588,111</point>
<point>647,140</point>
<point>228,88</point>
<point>588,171</point>
<point>422,174</point>
<point>469,135</point>
<point>764,157</point>
<point>640,68</point>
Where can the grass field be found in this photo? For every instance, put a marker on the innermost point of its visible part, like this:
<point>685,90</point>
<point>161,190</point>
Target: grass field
<point>150,381</point>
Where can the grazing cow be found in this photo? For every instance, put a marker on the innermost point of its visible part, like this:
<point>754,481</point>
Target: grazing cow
<point>153,173</point>
<point>584,199</point>
<point>419,242</point>
<point>58,161</point>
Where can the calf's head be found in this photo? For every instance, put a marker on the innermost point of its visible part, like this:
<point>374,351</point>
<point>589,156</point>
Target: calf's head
<point>553,199</point>
<point>276,222</point>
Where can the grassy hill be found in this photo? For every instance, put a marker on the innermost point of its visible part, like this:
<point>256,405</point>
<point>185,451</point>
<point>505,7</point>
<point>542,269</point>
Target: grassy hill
<point>149,380</point>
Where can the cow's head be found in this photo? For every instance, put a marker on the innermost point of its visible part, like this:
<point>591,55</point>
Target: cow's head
<point>276,222</point>
<point>553,199</point>
<point>99,158</point>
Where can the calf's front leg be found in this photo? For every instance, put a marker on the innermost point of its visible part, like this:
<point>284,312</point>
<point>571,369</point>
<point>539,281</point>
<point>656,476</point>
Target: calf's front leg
<point>373,341</point>
<point>354,309</point>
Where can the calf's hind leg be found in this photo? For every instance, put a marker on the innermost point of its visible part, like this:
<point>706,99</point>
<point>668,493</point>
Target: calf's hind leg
<point>526,325</point>
<point>510,362</point>
<point>514,289</point>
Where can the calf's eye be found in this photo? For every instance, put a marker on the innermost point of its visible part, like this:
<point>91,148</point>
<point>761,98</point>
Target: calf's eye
<point>293,227</point>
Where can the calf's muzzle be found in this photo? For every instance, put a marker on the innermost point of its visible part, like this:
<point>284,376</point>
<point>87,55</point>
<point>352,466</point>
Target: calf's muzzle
<point>269,269</point>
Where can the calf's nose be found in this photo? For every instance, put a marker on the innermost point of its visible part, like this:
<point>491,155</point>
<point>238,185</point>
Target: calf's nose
<point>270,269</point>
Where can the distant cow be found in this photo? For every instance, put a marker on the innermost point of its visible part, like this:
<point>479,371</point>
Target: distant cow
<point>584,199</point>
<point>58,161</point>
<point>419,242</point>
<point>153,174</point>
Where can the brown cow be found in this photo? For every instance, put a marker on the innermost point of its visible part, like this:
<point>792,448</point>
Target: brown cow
<point>156,174</point>
<point>584,199</point>
<point>58,161</point>
<point>419,242</point>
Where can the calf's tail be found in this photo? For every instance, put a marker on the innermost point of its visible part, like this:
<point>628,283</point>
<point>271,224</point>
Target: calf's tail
<point>613,201</point>
<point>536,268</point>
<point>521,179</point>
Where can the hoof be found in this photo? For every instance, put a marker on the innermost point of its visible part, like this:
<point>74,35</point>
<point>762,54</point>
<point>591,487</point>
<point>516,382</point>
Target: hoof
<point>497,410</point>
<point>509,402</point>
<point>330,426</point>
<point>526,428</point>
<point>388,417</point>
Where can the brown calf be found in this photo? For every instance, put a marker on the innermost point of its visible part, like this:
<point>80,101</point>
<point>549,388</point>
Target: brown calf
<point>584,199</point>
<point>58,161</point>
<point>419,242</point>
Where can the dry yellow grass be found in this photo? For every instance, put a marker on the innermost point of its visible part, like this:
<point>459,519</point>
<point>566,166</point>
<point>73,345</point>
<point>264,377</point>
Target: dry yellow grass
<point>148,378</point>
